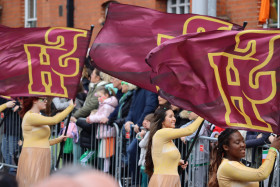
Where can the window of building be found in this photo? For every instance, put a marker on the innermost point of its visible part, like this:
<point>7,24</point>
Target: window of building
<point>178,6</point>
<point>30,13</point>
<point>60,10</point>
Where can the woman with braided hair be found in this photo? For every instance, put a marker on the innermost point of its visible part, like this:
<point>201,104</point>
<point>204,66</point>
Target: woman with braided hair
<point>226,170</point>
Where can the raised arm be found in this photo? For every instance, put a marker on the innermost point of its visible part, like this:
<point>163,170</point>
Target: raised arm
<point>37,119</point>
<point>3,107</point>
<point>8,104</point>
<point>238,172</point>
<point>168,134</point>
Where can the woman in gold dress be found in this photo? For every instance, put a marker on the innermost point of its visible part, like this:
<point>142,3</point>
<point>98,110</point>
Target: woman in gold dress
<point>35,158</point>
<point>163,157</point>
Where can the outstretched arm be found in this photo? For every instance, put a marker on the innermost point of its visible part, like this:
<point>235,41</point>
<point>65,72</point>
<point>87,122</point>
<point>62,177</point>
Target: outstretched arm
<point>168,134</point>
<point>238,172</point>
<point>37,119</point>
<point>8,104</point>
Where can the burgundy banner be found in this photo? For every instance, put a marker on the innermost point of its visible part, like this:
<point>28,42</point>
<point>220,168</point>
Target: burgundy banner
<point>231,78</point>
<point>131,32</point>
<point>41,61</point>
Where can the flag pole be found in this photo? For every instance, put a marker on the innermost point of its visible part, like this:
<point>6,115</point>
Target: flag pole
<point>68,119</point>
<point>193,142</point>
<point>62,143</point>
<point>88,59</point>
<point>244,25</point>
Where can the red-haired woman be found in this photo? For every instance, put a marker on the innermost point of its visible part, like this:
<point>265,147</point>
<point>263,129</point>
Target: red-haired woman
<point>35,158</point>
<point>8,104</point>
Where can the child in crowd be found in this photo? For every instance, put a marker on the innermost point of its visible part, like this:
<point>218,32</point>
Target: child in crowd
<point>144,137</point>
<point>106,134</point>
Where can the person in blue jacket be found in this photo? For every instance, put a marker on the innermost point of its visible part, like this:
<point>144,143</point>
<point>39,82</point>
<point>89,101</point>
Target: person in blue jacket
<point>143,103</point>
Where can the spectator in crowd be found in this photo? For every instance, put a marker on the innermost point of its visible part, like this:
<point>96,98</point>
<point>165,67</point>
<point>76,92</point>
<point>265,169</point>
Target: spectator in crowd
<point>143,102</point>
<point>200,150</point>
<point>182,116</point>
<point>77,176</point>
<point>117,85</point>
<point>91,102</point>
<point>87,134</point>
<point>80,97</point>
<point>162,101</point>
<point>163,157</point>
<point>226,168</point>
<point>110,80</point>
<point>107,134</point>
<point>11,135</point>
<point>253,140</point>
<point>60,103</point>
<point>85,79</point>
<point>7,180</point>
<point>215,134</point>
<point>121,111</point>
<point>34,161</point>
<point>143,137</point>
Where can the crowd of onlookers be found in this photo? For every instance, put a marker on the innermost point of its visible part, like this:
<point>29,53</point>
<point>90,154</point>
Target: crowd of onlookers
<point>102,100</point>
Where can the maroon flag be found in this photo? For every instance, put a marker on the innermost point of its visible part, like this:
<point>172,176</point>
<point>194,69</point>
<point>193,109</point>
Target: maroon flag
<point>231,78</point>
<point>131,32</point>
<point>41,61</point>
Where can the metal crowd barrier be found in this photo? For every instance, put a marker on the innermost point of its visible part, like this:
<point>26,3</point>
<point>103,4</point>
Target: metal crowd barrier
<point>100,153</point>
<point>10,136</point>
<point>117,153</point>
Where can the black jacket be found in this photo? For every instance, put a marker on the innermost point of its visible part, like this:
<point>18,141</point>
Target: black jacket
<point>12,121</point>
<point>87,135</point>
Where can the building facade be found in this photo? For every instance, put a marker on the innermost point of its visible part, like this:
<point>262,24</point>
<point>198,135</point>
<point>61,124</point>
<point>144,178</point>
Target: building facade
<point>49,13</point>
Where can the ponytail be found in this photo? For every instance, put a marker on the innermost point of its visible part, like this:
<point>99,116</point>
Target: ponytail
<point>218,153</point>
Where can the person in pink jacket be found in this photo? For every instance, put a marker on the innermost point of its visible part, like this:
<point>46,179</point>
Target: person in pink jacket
<point>106,133</point>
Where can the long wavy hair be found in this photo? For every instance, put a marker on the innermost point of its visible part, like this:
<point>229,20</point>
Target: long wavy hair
<point>27,103</point>
<point>156,124</point>
<point>218,153</point>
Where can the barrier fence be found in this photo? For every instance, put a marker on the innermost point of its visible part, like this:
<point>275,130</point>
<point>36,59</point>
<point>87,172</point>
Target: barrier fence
<point>113,151</point>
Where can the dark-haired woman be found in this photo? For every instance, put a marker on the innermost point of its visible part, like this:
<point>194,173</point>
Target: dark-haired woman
<point>35,158</point>
<point>163,157</point>
<point>226,169</point>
